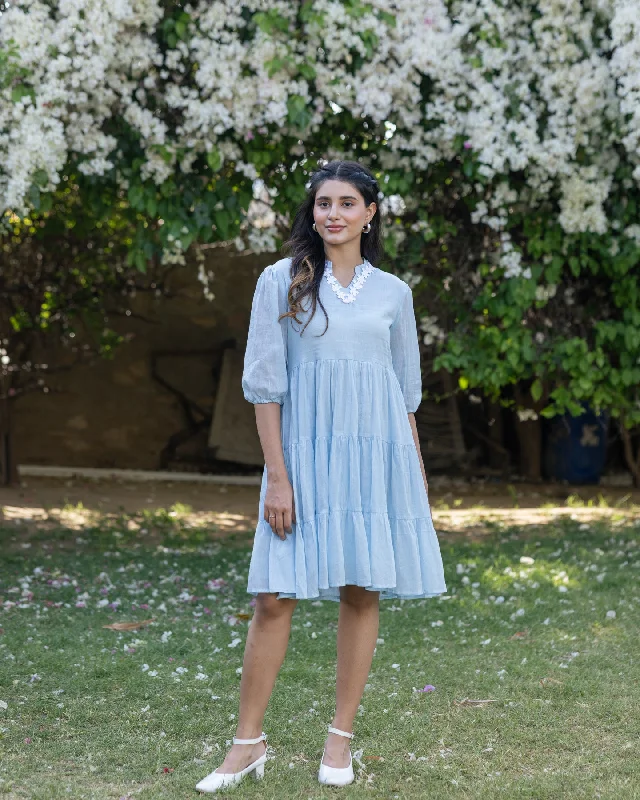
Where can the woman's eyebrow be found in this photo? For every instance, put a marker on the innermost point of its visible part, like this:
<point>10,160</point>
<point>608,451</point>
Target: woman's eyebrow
<point>342,197</point>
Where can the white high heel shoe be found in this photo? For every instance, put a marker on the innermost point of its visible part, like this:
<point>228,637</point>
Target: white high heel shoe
<point>219,780</point>
<point>336,776</point>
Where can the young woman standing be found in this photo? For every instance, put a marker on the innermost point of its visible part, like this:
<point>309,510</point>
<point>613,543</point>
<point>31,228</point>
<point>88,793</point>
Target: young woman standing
<point>343,510</point>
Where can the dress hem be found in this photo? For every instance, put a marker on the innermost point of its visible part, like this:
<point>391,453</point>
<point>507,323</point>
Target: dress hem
<point>326,593</point>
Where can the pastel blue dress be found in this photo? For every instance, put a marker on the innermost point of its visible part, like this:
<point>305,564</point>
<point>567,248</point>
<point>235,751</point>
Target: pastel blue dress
<point>362,510</point>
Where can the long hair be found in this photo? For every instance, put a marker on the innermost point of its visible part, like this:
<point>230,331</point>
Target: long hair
<point>306,247</point>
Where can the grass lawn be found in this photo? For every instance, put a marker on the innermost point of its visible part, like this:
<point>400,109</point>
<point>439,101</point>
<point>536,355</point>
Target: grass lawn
<point>542,623</point>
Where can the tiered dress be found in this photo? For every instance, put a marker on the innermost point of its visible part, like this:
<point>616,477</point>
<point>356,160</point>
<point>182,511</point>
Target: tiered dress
<point>362,510</point>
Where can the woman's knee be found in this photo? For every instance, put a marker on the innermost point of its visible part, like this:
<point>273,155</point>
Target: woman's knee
<point>268,607</point>
<point>358,597</point>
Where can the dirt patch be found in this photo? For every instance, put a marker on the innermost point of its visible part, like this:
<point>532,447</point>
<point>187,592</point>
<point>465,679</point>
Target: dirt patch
<point>51,502</point>
<point>39,505</point>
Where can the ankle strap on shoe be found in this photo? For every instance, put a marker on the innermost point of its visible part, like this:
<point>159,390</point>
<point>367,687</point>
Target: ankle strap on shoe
<point>262,736</point>
<point>339,732</point>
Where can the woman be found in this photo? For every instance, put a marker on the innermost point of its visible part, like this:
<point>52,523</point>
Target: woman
<point>343,511</point>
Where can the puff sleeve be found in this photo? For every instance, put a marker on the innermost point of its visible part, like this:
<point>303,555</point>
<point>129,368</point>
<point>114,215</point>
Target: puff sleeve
<point>405,352</point>
<point>264,377</point>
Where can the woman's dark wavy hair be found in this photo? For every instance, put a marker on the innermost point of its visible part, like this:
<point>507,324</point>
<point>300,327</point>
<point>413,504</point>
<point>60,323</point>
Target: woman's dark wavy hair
<point>306,247</point>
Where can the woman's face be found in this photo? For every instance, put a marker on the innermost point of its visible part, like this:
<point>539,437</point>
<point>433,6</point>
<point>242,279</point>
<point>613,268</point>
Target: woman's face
<point>339,211</point>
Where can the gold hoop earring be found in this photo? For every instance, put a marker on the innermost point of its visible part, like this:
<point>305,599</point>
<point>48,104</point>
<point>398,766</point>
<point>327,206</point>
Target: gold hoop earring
<point>366,228</point>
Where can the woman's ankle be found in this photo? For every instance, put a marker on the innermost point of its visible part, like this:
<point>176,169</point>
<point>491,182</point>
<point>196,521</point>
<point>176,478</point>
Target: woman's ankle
<point>246,732</point>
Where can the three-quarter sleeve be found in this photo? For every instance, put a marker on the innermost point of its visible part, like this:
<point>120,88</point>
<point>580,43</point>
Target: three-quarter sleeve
<point>405,352</point>
<point>264,377</point>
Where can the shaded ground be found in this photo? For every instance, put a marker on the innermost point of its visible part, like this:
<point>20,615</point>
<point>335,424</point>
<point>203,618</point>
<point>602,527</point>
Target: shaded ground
<point>469,510</point>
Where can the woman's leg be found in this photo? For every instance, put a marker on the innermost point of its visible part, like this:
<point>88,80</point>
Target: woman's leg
<point>357,634</point>
<point>264,653</point>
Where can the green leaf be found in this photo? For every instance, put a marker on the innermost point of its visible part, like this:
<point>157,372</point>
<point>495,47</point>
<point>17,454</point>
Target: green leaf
<point>182,27</point>
<point>222,221</point>
<point>41,178</point>
<point>536,389</point>
<point>20,91</point>
<point>202,215</point>
<point>307,71</point>
<point>46,203</point>
<point>574,265</point>
<point>388,18</point>
<point>187,239</point>
<point>297,111</point>
<point>140,261</point>
<point>152,205</point>
<point>214,159</point>
<point>136,197</point>
<point>270,22</point>
<point>33,196</point>
<point>276,64</point>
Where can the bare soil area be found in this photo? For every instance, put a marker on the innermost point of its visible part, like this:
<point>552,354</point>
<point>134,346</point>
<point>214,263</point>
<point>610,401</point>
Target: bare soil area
<point>458,507</point>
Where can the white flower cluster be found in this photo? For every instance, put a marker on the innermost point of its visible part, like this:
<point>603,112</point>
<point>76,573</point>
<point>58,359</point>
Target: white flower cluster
<point>545,293</point>
<point>546,89</point>
<point>432,331</point>
<point>510,259</point>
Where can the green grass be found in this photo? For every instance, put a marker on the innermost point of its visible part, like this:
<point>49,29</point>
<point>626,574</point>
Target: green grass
<point>88,717</point>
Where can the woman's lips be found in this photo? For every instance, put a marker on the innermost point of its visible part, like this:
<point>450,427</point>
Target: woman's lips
<point>335,227</point>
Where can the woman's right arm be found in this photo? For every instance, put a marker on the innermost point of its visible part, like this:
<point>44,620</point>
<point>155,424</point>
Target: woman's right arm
<point>279,495</point>
<point>265,383</point>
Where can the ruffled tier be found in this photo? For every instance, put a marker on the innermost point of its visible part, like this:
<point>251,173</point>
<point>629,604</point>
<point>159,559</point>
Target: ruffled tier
<point>400,558</point>
<point>363,518</point>
<point>355,473</point>
<point>334,397</point>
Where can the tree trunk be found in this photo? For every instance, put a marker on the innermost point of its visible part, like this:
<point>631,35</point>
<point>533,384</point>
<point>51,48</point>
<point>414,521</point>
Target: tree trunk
<point>632,459</point>
<point>529,437</point>
<point>498,456</point>
<point>8,467</point>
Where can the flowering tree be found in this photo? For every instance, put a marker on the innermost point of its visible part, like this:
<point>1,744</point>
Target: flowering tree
<point>561,337</point>
<point>515,125</point>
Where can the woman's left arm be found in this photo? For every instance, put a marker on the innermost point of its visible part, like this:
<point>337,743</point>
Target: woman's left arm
<point>405,356</point>
<point>414,430</point>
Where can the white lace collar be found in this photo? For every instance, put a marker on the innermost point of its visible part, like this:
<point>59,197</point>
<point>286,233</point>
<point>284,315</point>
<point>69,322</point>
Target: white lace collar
<point>348,294</point>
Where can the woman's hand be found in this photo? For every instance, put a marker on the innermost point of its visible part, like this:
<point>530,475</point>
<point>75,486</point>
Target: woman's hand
<point>416,441</point>
<point>279,501</point>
